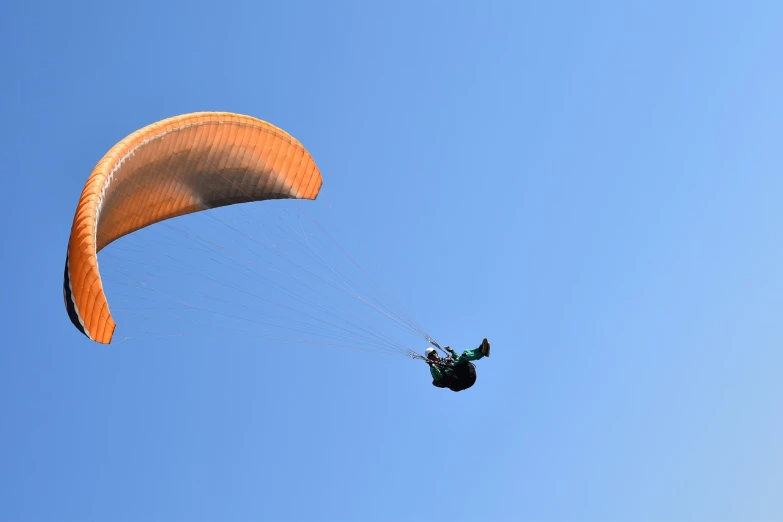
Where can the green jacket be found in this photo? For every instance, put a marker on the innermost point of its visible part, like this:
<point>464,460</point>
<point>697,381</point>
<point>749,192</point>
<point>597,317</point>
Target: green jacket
<point>443,367</point>
<point>439,369</point>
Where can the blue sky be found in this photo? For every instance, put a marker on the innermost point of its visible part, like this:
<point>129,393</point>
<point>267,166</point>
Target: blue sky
<point>593,186</point>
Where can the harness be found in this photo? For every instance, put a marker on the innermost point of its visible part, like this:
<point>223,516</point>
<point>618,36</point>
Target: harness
<point>461,377</point>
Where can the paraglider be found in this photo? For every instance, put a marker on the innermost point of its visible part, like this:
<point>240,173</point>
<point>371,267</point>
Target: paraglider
<point>177,166</point>
<point>200,161</point>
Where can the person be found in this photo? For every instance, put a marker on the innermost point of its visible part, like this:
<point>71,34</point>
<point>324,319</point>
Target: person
<point>455,372</point>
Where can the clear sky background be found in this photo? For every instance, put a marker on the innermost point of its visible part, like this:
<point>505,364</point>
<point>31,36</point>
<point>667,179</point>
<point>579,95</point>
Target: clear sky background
<point>594,186</point>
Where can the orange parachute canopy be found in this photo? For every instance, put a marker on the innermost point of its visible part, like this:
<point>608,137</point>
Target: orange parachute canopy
<point>174,167</point>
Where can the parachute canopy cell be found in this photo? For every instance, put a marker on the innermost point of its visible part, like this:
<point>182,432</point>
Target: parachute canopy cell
<point>177,166</point>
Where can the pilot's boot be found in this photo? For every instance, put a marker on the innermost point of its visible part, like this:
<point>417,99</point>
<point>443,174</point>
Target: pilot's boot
<point>485,347</point>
